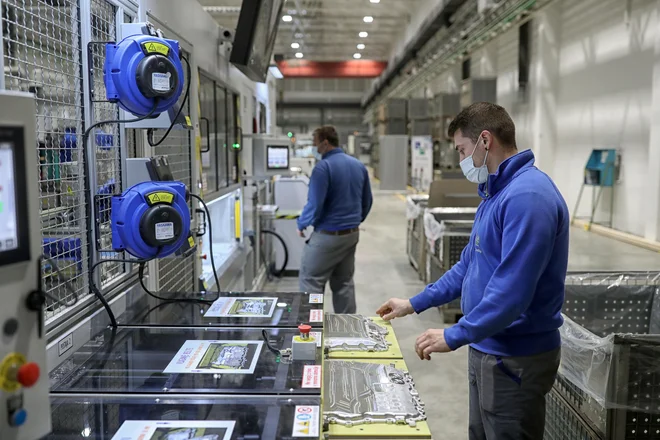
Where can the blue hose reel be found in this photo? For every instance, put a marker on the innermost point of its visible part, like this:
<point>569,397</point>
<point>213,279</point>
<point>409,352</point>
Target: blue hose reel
<point>140,69</point>
<point>152,220</point>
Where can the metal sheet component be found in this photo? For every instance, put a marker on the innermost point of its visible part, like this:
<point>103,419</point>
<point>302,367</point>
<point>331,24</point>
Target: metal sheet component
<point>354,333</point>
<point>361,393</point>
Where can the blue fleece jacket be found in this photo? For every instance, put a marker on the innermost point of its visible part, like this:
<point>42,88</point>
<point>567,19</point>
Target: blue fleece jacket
<point>339,195</point>
<point>511,274</point>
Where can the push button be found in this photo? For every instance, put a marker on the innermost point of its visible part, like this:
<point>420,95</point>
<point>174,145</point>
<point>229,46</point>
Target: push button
<point>18,417</point>
<point>28,374</point>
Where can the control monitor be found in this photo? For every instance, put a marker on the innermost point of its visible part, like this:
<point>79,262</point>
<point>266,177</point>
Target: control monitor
<point>277,157</point>
<point>24,404</point>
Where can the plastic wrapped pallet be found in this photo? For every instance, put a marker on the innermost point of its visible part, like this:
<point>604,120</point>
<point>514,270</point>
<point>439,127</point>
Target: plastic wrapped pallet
<point>415,246</point>
<point>612,381</point>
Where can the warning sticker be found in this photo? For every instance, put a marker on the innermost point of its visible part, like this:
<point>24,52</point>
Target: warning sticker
<point>164,231</point>
<point>316,315</point>
<point>160,197</point>
<point>317,336</point>
<point>311,376</point>
<point>306,421</point>
<point>160,81</point>
<point>316,298</point>
<point>156,47</point>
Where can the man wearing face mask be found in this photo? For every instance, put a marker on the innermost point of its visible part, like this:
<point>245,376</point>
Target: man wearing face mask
<point>339,199</point>
<point>511,279</point>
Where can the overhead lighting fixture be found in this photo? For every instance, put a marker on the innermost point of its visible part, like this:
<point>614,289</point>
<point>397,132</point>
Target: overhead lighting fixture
<point>363,34</point>
<point>299,35</point>
<point>368,19</point>
<point>295,45</point>
<point>299,54</point>
<point>375,1</point>
<point>361,46</point>
<point>287,18</point>
<point>357,56</point>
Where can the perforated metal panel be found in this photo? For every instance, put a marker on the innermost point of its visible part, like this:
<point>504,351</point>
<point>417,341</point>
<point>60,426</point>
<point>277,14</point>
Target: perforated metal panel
<point>177,274</point>
<point>42,55</point>
<point>562,423</point>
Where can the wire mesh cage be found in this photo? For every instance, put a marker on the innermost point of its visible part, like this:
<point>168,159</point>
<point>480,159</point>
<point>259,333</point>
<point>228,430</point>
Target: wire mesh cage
<point>177,274</point>
<point>42,55</point>
<point>563,423</point>
<point>609,373</point>
<point>106,139</point>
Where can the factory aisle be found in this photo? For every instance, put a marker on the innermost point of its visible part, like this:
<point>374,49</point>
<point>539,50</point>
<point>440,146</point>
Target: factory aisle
<point>383,271</point>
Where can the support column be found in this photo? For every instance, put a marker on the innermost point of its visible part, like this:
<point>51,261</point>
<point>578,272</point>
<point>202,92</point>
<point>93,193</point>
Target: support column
<point>544,86</point>
<point>652,193</point>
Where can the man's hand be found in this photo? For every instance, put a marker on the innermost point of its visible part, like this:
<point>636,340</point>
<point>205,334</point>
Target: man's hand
<point>395,308</point>
<point>301,234</point>
<point>431,341</point>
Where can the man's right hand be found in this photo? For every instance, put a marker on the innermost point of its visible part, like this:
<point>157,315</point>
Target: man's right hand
<point>395,308</point>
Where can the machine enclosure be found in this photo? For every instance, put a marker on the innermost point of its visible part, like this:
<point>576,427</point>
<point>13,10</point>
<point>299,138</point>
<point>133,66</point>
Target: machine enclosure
<point>120,73</point>
<point>127,212</point>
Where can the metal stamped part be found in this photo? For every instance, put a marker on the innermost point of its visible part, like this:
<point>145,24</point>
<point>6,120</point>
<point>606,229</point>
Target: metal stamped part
<point>354,333</point>
<point>361,393</point>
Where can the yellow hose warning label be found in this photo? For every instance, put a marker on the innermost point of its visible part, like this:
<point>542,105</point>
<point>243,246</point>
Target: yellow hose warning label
<point>191,242</point>
<point>155,47</point>
<point>160,197</point>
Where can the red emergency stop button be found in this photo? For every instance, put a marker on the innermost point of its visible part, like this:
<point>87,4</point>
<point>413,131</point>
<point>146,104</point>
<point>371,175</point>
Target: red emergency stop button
<point>305,329</point>
<point>28,374</point>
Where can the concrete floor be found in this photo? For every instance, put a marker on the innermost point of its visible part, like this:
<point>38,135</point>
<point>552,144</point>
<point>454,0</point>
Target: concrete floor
<point>383,271</point>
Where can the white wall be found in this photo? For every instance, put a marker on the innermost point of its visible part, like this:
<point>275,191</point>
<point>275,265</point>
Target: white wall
<point>602,99</point>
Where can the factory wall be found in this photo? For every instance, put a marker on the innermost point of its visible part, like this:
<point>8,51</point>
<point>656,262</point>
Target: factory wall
<point>600,98</point>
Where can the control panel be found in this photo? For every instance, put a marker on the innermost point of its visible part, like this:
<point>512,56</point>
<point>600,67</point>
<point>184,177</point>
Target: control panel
<point>24,404</point>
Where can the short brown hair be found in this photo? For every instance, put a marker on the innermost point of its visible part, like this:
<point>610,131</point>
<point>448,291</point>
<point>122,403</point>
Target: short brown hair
<point>328,133</point>
<point>480,116</point>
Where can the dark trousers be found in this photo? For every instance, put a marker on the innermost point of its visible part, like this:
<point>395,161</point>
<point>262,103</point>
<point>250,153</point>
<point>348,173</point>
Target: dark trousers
<point>330,258</point>
<point>507,394</point>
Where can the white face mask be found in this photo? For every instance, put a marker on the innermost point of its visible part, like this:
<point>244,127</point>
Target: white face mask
<point>472,173</point>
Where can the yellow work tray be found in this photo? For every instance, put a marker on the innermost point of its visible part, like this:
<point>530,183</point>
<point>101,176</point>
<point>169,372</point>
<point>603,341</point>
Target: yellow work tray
<point>394,351</point>
<point>380,431</point>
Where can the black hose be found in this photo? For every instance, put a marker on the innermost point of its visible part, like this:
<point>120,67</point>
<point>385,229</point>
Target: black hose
<point>278,273</point>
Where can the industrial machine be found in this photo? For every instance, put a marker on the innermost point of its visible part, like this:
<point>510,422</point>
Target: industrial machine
<point>24,405</point>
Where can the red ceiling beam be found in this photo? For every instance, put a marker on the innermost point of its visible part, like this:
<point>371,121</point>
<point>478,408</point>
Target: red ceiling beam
<point>328,69</point>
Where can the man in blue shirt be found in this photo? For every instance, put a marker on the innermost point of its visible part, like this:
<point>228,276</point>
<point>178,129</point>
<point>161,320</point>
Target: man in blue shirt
<point>339,200</point>
<point>510,278</point>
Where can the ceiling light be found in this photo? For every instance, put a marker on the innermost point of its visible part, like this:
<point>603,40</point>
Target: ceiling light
<point>363,34</point>
<point>287,18</point>
<point>357,56</point>
<point>375,1</point>
<point>361,46</point>
<point>275,71</point>
<point>299,55</point>
<point>295,45</point>
<point>368,19</point>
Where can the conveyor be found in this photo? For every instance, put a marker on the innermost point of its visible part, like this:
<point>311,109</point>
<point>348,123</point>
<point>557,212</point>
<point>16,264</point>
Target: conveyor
<point>251,309</point>
<point>359,337</point>
<point>187,360</point>
<point>184,417</point>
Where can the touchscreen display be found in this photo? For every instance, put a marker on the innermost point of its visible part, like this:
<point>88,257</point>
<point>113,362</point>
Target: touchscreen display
<point>8,210</point>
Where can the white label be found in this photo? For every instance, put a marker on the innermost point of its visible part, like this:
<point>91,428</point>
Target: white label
<point>311,376</point>
<point>164,231</point>
<point>317,336</point>
<point>225,357</point>
<point>316,315</point>
<point>177,429</point>
<point>160,82</point>
<point>316,298</point>
<point>306,421</point>
<point>65,344</point>
<point>254,307</point>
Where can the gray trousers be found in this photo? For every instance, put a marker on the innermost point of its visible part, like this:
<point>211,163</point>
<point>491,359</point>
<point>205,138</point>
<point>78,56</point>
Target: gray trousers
<point>507,394</point>
<point>330,258</point>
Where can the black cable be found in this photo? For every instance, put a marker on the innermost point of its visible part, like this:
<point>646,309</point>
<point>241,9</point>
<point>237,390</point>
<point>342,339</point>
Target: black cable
<point>278,273</point>
<point>264,334</point>
<point>210,227</point>
<point>150,132</point>
<point>153,295</point>
<point>64,280</point>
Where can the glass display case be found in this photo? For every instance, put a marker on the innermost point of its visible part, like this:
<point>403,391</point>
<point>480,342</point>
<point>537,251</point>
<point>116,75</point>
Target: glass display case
<point>226,220</point>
